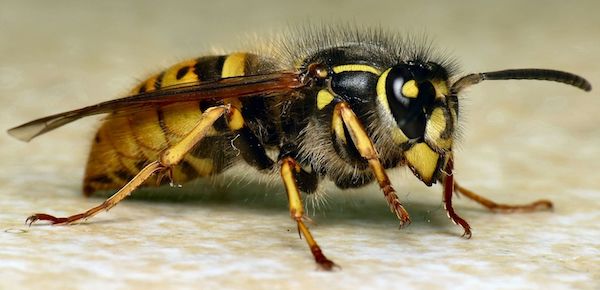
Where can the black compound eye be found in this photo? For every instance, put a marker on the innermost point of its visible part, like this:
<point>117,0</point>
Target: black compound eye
<point>404,86</point>
<point>395,82</point>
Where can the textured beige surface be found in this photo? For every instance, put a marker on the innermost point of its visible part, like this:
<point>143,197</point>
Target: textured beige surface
<point>521,141</point>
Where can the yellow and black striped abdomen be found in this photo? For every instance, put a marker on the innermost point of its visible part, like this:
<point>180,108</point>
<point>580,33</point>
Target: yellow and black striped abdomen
<point>125,143</point>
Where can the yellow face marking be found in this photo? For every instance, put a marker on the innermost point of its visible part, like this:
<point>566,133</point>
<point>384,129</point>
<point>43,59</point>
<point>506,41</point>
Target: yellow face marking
<point>356,67</point>
<point>435,126</point>
<point>324,98</point>
<point>410,89</point>
<point>423,161</point>
<point>381,95</point>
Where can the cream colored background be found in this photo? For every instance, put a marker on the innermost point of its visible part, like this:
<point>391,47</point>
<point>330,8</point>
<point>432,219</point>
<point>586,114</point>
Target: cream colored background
<point>521,141</point>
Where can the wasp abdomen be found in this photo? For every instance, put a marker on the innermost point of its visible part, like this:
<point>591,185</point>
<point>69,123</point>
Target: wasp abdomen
<point>125,143</point>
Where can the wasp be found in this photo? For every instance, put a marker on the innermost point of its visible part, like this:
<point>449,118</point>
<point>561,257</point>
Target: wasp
<point>343,106</point>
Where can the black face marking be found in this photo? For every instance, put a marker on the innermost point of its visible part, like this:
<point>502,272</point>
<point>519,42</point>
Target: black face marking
<point>182,72</point>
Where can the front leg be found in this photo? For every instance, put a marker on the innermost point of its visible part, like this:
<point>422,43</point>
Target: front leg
<point>449,187</point>
<point>343,114</point>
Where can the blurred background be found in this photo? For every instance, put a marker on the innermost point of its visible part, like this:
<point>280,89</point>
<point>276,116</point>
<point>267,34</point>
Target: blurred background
<point>521,141</point>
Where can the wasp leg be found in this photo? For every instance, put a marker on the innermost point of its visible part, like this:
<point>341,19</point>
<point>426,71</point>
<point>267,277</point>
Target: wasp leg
<point>504,208</point>
<point>168,158</point>
<point>289,168</point>
<point>365,147</point>
<point>448,181</point>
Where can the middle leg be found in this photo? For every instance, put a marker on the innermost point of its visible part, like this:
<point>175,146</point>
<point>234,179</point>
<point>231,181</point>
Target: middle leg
<point>169,158</point>
<point>289,169</point>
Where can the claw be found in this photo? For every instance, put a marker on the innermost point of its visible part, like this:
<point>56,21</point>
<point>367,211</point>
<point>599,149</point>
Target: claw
<point>52,219</point>
<point>328,265</point>
<point>31,219</point>
<point>542,205</point>
<point>467,234</point>
<point>401,213</point>
<point>322,261</point>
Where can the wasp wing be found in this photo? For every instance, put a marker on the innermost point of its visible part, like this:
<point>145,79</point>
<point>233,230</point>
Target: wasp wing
<point>267,85</point>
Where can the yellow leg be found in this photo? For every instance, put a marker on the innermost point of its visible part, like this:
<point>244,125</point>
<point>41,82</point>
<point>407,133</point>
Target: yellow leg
<point>365,147</point>
<point>288,168</point>
<point>503,208</point>
<point>170,157</point>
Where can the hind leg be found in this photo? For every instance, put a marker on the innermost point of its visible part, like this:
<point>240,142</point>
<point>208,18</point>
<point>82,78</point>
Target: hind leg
<point>503,208</point>
<point>168,158</point>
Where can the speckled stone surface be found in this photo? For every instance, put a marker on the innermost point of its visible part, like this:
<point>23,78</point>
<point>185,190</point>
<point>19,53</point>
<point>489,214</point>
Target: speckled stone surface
<point>521,141</point>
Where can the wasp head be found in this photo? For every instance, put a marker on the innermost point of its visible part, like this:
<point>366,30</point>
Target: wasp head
<point>417,96</point>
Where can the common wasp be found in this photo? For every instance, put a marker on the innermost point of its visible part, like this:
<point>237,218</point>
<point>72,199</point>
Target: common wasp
<point>343,106</point>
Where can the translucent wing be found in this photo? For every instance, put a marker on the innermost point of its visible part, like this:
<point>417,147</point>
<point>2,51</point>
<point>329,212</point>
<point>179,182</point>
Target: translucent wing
<point>267,85</point>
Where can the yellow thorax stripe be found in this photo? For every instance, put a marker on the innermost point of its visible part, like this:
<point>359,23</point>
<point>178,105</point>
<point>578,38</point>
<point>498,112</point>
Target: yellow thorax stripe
<point>356,67</point>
